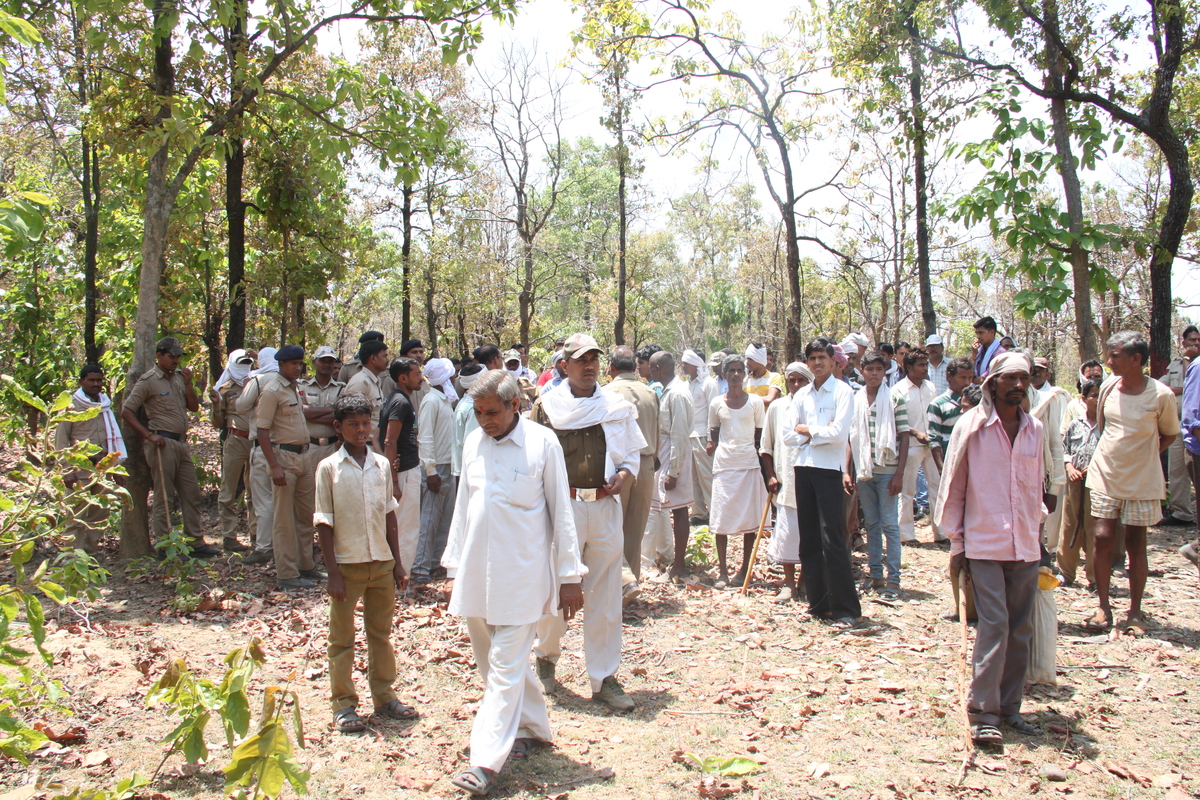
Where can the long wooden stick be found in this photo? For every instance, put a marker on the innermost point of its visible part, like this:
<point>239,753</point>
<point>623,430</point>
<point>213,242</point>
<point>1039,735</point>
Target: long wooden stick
<point>961,591</point>
<point>762,524</point>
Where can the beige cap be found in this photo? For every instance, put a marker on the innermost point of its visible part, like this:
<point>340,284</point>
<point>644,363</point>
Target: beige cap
<point>579,344</point>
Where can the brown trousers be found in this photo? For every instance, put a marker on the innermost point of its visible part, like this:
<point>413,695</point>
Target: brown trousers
<point>636,497</point>
<point>374,583</point>
<point>235,467</point>
<point>292,530</point>
<point>82,525</point>
<point>173,473</point>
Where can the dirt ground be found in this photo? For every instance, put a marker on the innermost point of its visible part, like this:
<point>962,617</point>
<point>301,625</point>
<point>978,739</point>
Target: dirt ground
<point>714,674</point>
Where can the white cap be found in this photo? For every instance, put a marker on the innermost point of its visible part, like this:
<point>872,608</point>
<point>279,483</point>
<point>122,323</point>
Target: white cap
<point>324,351</point>
<point>934,339</point>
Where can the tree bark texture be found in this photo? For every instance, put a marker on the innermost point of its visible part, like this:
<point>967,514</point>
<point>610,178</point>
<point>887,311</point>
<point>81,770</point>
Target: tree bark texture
<point>235,207</point>
<point>916,79</point>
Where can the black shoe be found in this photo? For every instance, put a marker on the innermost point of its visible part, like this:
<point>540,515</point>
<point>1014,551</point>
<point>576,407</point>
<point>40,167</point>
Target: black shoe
<point>1172,521</point>
<point>205,551</point>
<point>313,574</point>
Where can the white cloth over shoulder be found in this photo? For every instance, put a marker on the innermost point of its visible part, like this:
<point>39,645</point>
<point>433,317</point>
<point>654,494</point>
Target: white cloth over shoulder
<point>114,442</point>
<point>866,456</point>
<point>513,540</point>
<point>623,439</point>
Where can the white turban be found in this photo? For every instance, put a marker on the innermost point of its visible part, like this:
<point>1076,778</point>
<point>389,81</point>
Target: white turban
<point>801,369</point>
<point>693,358</point>
<point>233,370</point>
<point>758,354</point>
<point>466,380</point>
<point>859,339</point>
<point>849,347</point>
<point>266,361</point>
<point>440,372</point>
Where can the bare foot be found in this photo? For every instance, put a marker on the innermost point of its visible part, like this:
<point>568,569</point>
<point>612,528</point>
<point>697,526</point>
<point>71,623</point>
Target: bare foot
<point>1100,621</point>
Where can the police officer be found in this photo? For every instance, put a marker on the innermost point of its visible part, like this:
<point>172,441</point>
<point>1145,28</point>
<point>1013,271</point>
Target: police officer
<point>166,395</point>
<point>318,393</point>
<point>235,445</point>
<point>284,441</point>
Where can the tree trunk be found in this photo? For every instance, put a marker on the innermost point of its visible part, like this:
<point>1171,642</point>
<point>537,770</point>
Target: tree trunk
<point>525,299</point>
<point>793,342</point>
<point>915,80</point>
<point>430,313</point>
<point>1069,172</point>
<point>1170,234</point>
<point>90,189</point>
<point>235,207</point>
<point>406,213</point>
<point>622,225</point>
<point>135,532</point>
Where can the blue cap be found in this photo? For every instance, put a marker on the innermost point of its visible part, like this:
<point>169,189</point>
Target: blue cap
<point>290,352</point>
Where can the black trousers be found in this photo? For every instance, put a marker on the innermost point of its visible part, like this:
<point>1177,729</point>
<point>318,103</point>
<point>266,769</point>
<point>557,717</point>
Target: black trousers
<point>824,556</point>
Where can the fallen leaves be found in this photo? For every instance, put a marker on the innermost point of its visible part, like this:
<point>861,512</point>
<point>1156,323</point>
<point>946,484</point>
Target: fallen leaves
<point>96,758</point>
<point>74,735</point>
<point>1122,771</point>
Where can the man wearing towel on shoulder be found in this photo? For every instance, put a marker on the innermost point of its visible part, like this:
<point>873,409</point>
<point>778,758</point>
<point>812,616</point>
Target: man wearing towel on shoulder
<point>602,446</point>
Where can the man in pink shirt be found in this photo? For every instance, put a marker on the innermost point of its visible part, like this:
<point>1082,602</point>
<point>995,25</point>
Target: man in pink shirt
<point>991,509</point>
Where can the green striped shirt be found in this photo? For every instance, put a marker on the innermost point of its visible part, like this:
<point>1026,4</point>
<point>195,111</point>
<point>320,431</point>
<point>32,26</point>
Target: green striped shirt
<point>900,411</point>
<point>944,411</point>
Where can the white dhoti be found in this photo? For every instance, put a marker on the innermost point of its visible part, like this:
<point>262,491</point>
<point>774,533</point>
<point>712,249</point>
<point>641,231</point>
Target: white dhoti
<point>784,547</point>
<point>602,543</point>
<point>738,499</point>
<point>918,457</point>
<point>408,516</point>
<point>512,704</point>
<point>658,543</point>
<point>702,477</point>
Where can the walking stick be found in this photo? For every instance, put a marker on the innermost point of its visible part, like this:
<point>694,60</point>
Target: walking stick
<point>961,590</point>
<point>762,524</point>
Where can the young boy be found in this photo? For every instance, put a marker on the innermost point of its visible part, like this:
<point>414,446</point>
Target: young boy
<point>1079,527</point>
<point>356,524</point>
<point>875,461</point>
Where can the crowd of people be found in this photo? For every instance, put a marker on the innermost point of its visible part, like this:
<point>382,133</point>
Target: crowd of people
<point>530,497</point>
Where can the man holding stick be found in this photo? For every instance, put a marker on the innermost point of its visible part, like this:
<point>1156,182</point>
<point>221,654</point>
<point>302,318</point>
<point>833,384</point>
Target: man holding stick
<point>991,508</point>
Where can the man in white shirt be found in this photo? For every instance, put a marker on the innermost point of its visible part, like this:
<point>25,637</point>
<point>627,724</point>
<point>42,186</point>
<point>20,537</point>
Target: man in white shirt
<point>819,427</point>
<point>703,388</point>
<point>936,348</point>
<point>918,393</point>
<point>464,416</point>
<point>513,557</point>
<point>667,535</point>
<point>435,444</point>
<point>602,446</point>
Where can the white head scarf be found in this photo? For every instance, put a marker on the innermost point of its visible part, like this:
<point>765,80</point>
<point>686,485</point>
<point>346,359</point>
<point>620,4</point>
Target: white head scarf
<point>800,369</point>
<point>233,370</point>
<point>693,358</point>
<point>758,354</point>
<point>849,347</point>
<point>266,361</point>
<point>859,339</point>
<point>440,372</point>
<point>467,380</point>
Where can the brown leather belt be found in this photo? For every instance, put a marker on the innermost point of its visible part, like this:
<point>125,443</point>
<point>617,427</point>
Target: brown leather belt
<point>240,432</point>
<point>588,495</point>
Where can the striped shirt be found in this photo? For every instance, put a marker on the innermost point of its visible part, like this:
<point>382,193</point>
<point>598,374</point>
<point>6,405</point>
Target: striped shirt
<point>900,412</point>
<point>944,411</point>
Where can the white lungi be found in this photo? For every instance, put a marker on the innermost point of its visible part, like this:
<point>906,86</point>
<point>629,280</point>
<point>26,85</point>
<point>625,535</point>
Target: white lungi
<point>738,499</point>
<point>702,477</point>
<point>602,544</point>
<point>784,547</point>
<point>918,457</point>
<point>408,516</point>
<point>512,704</point>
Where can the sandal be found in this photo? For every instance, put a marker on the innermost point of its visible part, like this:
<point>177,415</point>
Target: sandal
<point>476,781</point>
<point>523,747</point>
<point>844,623</point>
<point>348,721</point>
<point>1098,621</point>
<point>1136,625</point>
<point>986,734</point>
<point>397,710</point>
<point>890,593</point>
<point>1022,725</point>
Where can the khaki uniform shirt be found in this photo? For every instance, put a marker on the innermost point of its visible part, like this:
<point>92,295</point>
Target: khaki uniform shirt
<point>645,400</point>
<point>317,397</point>
<point>280,412</point>
<point>248,399</point>
<point>89,430</point>
<point>164,400</point>
<point>583,450</point>
<point>367,384</point>
<point>225,413</point>
<point>348,371</point>
<point>1173,379</point>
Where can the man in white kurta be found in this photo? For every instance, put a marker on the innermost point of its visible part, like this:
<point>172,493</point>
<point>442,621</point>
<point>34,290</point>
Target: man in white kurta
<point>435,444</point>
<point>1048,405</point>
<point>918,392</point>
<point>703,388</point>
<point>667,533</point>
<point>512,555</point>
<point>602,447</point>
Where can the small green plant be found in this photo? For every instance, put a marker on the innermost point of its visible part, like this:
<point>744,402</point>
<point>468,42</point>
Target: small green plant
<point>262,762</point>
<point>725,766</point>
<point>126,789</point>
<point>698,548</point>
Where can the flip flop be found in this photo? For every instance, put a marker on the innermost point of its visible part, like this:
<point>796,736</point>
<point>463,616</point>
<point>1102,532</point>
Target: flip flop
<point>1098,622</point>
<point>1136,626</point>
<point>475,780</point>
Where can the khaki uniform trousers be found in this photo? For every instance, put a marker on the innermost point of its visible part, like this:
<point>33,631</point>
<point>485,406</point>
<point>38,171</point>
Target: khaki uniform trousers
<point>1182,505</point>
<point>373,582</point>
<point>82,525</point>
<point>702,465</point>
<point>636,498</point>
<point>235,466</point>
<point>1077,506</point>
<point>293,502</point>
<point>173,473</point>
<point>262,490</point>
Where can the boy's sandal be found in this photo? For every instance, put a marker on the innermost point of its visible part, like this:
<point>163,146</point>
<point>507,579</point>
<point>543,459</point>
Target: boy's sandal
<point>1138,626</point>
<point>890,593</point>
<point>475,780</point>
<point>986,734</point>
<point>348,721</point>
<point>397,710</point>
<point>523,747</point>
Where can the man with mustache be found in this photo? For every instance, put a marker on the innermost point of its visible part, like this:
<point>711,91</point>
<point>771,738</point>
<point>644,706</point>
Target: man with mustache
<point>991,508</point>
